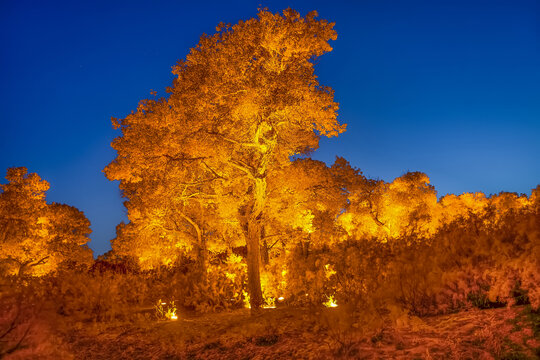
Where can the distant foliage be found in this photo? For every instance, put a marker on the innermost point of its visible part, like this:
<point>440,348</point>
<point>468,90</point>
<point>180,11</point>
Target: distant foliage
<point>479,255</point>
<point>418,255</point>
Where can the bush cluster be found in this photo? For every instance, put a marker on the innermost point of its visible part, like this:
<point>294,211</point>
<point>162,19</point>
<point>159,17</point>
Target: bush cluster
<point>480,260</point>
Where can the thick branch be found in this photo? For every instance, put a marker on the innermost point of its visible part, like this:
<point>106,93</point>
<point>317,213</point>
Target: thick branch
<point>39,262</point>
<point>195,226</point>
<point>244,167</point>
<point>374,214</point>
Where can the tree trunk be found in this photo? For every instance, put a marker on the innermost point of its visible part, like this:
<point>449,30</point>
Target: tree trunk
<point>253,265</point>
<point>253,246</point>
<point>202,257</point>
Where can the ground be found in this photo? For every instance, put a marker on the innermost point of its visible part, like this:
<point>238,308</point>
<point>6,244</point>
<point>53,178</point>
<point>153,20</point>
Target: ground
<point>504,333</point>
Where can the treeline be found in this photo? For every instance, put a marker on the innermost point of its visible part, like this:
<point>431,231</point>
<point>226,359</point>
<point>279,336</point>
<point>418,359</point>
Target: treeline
<point>208,176</point>
<point>330,232</point>
<point>329,236</point>
<point>226,208</point>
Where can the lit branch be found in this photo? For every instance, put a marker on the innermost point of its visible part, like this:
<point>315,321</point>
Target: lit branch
<point>374,213</point>
<point>249,170</point>
<point>232,140</point>
<point>39,262</point>
<point>183,158</point>
<point>200,182</point>
<point>213,171</point>
<point>195,226</point>
<point>274,235</point>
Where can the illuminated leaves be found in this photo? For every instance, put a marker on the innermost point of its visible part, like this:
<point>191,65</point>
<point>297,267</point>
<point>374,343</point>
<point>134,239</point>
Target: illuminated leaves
<point>195,166</point>
<point>35,236</point>
<point>208,169</point>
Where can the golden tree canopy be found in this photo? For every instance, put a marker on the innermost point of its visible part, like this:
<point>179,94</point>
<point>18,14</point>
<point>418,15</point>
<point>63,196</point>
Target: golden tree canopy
<point>244,97</point>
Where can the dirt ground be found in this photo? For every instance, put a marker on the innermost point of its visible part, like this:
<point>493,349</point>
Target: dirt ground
<point>505,333</point>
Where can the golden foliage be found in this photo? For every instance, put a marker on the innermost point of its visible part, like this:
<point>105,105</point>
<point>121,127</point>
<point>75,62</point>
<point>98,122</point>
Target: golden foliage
<point>35,237</point>
<point>208,171</point>
<point>245,99</point>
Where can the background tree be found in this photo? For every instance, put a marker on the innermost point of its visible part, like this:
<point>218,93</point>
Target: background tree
<point>406,207</point>
<point>169,212</point>
<point>245,100</point>
<point>35,237</point>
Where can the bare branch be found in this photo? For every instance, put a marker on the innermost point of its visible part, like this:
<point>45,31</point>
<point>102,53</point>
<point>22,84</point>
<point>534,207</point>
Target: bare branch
<point>195,226</point>
<point>271,246</point>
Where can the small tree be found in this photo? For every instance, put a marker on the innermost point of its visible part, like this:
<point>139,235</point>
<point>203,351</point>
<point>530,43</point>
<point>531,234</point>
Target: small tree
<point>34,236</point>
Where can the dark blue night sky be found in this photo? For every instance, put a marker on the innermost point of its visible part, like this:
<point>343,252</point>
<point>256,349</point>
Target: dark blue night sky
<point>449,88</point>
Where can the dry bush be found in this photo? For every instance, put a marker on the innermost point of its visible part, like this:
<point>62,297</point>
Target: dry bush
<point>106,294</point>
<point>219,287</point>
<point>15,315</point>
<point>413,278</point>
<point>475,261</point>
<point>306,282</point>
<point>484,260</point>
<point>96,296</point>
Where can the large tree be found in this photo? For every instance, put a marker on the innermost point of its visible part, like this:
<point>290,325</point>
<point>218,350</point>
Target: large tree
<point>35,237</point>
<point>244,101</point>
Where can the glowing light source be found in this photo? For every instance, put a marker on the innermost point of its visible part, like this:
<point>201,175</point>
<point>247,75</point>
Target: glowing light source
<point>166,312</point>
<point>171,314</point>
<point>330,302</point>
